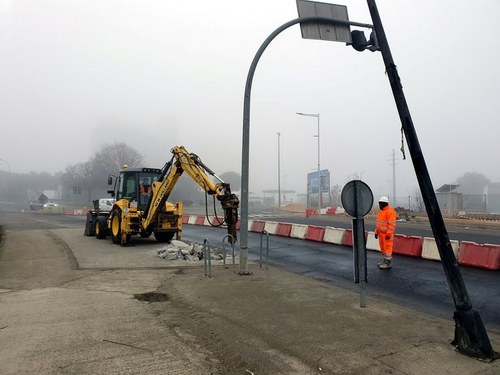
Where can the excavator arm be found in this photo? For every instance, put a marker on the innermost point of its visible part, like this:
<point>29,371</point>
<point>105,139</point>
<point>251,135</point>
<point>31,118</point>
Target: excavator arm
<point>183,161</point>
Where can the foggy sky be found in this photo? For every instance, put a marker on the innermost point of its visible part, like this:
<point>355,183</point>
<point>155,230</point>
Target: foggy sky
<point>75,75</point>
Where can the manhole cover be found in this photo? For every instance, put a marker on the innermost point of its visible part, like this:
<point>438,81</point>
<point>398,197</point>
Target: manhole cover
<point>152,297</point>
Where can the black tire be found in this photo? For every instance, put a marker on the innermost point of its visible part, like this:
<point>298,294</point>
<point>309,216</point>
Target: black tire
<point>145,234</point>
<point>101,228</point>
<point>164,236</point>
<point>116,227</point>
<point>89,226</point>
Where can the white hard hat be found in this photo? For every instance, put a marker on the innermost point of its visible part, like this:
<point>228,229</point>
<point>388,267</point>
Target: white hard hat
<point>384,199</point>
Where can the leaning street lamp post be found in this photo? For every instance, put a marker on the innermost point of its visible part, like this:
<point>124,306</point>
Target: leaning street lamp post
<point>319,169</point>
<point>470,334</point>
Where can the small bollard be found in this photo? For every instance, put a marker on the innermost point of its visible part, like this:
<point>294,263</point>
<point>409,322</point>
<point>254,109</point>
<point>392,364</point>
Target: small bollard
<point>267,248</point>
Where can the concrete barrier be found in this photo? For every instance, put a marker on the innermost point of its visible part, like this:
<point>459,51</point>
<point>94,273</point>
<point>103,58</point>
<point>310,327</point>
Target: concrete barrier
<point>430,250</point>
<point>271,227</point>
<point>284,229</point>
<point>299,231</point>
<point>192,220</point>
<point>372,242</point>
<point>485,256</point>
<point>315,233</point>
<point>333,235</point>
<point>407,245</point>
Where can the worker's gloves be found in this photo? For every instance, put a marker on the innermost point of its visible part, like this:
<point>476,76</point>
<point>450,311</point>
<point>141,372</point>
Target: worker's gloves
<point>387,237</point>
<point>376,236</point>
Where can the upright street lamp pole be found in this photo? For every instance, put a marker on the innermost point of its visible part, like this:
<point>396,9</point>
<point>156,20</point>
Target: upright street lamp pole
<point>319,170</point>
<point>279,173</point>
<point>8,186</point>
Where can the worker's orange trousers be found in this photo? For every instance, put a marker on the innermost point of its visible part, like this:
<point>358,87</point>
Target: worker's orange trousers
<point>385,245</point>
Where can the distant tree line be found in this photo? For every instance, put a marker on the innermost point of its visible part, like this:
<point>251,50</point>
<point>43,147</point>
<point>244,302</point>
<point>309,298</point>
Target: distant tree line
<point>90,178</point>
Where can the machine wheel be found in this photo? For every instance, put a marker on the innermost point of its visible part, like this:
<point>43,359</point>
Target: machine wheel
<point>89,226</point>
<point>116,227</point>
<point>145,234</point>
<point>164,236</point>
<point>101,229</point>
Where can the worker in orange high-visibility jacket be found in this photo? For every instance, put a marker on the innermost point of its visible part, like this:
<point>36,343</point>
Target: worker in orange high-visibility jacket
<point>386,226</point>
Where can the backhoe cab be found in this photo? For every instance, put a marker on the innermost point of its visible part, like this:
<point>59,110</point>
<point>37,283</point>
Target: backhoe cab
<point>141,206</point>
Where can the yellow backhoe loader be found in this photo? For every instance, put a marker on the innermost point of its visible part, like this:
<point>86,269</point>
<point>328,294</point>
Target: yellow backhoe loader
<point>141,206</point>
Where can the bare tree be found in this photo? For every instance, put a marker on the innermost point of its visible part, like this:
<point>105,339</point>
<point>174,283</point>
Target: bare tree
<point>417,201</point>
<point>112,158</point>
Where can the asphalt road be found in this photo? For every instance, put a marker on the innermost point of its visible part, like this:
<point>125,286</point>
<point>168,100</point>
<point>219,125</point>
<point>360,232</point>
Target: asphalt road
<point>416,283</point>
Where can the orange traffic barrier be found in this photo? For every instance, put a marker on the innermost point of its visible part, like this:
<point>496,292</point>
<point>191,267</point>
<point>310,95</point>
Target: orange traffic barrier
<point>258,226</point>
<point>485,256</point>
<point>315,233</point>
<point>407,245</point>
<point>284,229</point>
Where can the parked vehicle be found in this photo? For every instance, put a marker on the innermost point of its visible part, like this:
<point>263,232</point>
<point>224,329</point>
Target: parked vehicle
<point>106,204</point>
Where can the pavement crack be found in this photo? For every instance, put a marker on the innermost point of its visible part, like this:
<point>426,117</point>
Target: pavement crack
<point>129,345</point>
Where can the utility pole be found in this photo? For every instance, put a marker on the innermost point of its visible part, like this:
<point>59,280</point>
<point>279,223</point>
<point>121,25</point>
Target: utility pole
<point>394,198</point>
<point>279,174</point>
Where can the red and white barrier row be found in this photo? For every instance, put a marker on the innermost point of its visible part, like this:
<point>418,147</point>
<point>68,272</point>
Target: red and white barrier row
<point>468,253</point>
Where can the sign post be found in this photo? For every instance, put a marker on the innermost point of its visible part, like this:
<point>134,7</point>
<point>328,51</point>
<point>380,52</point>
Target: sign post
<point>357,199</point>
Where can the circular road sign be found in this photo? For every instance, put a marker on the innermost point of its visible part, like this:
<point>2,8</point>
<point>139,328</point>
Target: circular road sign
<point>357,198</point>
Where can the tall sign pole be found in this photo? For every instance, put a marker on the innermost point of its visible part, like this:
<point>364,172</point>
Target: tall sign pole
<point>470,335</point>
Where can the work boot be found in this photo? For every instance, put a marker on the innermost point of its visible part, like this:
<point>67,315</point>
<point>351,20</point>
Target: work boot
<point>385,265</point>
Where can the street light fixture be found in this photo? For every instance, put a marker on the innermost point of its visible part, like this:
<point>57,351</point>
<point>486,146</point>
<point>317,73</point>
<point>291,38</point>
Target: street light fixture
<point>316,115</point>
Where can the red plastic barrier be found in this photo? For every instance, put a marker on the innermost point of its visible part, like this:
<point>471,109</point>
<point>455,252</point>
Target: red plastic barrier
<point>216,221</point>
<point>200,220</point>
<point>315,233</point>
<point>347,239</point>
<point>408,245</point>
<point>258,226</point>
<point>485,256</point>
<point>284,229</point>
<point>331,210</point>
<point>185,219</point>
<point>311,212</point>
<point>238,225</point>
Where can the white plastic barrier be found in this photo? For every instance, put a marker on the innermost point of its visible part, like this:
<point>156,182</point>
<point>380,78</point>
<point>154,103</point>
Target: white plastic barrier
<point>250,223</point>
<point>372,242</point>
<point>430,250</point>
<point>192,219</point>
<point>271,227</point>
<point>299,231</point>
<point>334,235</point>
